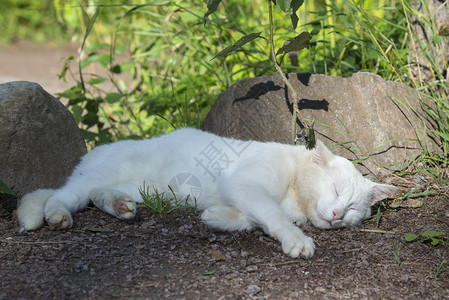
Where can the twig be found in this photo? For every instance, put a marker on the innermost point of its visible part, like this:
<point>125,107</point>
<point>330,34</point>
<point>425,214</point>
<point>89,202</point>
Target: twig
<point>235,239</point>
<point>295,97</point>
<point>443,221</point>
<point>290,262</point>
<point>378,231</point>
<point>32,243</point>
<point>352,250</point>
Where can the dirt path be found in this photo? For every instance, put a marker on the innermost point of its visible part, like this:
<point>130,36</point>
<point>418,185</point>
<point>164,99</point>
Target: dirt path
<point>175,256</point>
<point>35,62</point>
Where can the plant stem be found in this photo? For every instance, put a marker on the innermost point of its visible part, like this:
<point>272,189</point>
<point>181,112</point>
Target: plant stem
<point>294,95</point>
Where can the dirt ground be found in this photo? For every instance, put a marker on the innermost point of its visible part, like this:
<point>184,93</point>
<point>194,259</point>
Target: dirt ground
<point>175,256</point>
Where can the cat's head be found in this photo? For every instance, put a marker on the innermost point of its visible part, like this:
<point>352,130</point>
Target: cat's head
<point>345,197</point>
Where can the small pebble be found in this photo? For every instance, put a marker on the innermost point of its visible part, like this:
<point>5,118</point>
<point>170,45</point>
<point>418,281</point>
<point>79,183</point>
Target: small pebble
<point>148,224</point>
<point>418,179</point>
<point>243,254</point>
<point>252,288</point>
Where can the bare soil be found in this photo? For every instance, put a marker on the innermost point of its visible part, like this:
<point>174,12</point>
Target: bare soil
<point>175,256</point>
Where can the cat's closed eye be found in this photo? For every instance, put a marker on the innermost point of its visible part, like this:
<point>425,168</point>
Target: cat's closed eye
<point>336,192</point>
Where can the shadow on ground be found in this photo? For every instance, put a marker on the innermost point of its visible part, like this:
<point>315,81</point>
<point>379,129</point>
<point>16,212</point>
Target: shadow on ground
<point>175,256</point>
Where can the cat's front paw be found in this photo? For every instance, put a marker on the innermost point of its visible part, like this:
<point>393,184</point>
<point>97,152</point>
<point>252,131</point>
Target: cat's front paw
<point>59,219</point>
<point>298,244</point>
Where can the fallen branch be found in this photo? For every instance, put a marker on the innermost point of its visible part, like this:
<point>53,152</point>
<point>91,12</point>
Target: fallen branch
<point>377,231</point>
<point>33,243</point>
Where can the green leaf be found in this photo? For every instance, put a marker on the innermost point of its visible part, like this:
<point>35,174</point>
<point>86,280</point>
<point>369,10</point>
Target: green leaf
<point>290,7</point>
<point>5,188</point>
<point>125,66</point>
<point>209,272</point>
<point>116,69</point>
<point>432,233</point>
<point>242,41</point>
<point>296,4</point>
<point>104,60</point>
<point>74,93</point>
<point>113,97</point>
<point>295,44</point>
<point>97,229</point>
<point>90,26</point>
<point>86,34</point>
<point>212,6</point>
<point>96,46</point>
<point>77,112</point>
<point>96,80</point>
<point>88,135</point>
<point>65,68</point>
<point>410,237</point>
<point>435,241</point>
<point>285,5</point>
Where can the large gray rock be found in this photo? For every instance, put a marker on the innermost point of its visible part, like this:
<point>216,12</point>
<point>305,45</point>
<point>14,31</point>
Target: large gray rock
<point>40,143</point>
<point>373,120</point>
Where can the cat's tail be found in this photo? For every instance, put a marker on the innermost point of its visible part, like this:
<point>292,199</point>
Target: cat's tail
<point>30,210</point>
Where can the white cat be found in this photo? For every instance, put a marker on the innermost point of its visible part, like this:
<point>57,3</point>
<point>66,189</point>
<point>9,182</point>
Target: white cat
<point>238,184</point>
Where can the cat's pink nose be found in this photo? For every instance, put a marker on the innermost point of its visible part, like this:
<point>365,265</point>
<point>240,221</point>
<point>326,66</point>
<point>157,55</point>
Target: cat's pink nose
<point>337,215</point>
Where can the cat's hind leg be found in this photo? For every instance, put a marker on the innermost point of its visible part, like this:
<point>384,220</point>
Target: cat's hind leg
<point>59,208</point>
<point>114,202</point>
<point>225,218</point>
<point>30,209</point>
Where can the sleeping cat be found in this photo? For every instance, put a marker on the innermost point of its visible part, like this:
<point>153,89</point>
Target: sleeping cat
<point>238,184</point>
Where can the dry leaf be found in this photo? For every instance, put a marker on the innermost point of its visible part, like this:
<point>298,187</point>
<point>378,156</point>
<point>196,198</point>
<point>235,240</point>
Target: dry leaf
<point>411,203</point>
<point>217,255</point>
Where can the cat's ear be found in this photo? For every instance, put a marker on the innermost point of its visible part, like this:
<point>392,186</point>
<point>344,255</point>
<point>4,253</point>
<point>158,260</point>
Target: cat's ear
<point>381,191</point>
<point>321,156</point>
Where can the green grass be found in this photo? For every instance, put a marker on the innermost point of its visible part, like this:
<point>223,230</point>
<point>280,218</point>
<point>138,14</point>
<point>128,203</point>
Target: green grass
<point>163,203</point>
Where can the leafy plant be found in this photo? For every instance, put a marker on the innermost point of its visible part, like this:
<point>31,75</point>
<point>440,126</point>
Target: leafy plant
<point>162,203</point>
<point>4,188</point>
<point>295,44</point>
<point>431,236</point>
<point>397,254</point>
<point>151,73</point>
<point>442,268</point>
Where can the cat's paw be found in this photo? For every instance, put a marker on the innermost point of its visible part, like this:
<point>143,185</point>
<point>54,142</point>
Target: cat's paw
<point>225,218</point>
<point>125,208</point>
<point>59,219</point>
<point>298,244</point>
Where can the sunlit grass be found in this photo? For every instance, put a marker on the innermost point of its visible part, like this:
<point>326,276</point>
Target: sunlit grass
<point>164,202</point>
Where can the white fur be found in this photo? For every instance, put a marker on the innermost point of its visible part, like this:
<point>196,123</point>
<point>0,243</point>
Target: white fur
<point>238,184</point>
<point>30,211</point>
